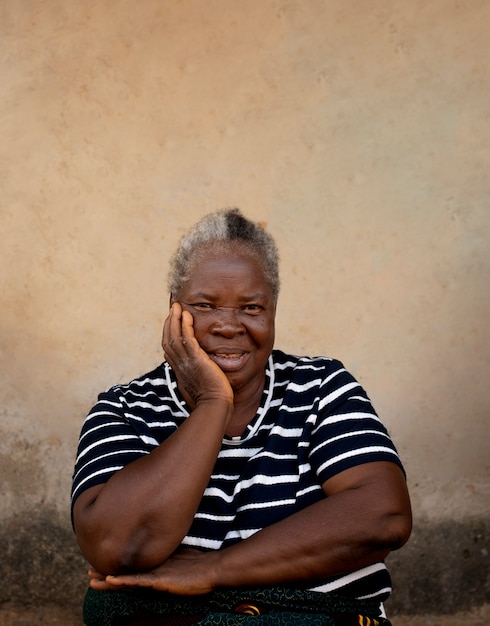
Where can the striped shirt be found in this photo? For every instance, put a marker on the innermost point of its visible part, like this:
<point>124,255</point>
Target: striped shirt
<point>315,420</point>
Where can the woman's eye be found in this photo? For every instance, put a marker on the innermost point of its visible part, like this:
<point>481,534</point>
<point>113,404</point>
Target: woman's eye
<point>203,306</point>
<point>253,309</point>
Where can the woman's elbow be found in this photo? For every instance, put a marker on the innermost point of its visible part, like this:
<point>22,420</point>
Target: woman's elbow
<point>111,551</point>
<point>101,553</point>
<point>399,528</point>
<point>110,548</point>
<point>110,554</point>
<point>397,514</point>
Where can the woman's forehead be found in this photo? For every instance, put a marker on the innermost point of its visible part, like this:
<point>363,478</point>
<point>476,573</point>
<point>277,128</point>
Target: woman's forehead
<point>229,254</point>
<point>226,266</point>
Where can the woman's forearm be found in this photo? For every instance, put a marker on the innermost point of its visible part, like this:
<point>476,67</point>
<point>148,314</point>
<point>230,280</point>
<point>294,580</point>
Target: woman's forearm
<point>302,547</point>
<point>348,530</point>
<point>139,517</point>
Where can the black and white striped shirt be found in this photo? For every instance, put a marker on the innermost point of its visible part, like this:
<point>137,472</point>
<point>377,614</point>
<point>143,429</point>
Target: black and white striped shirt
<point>315,420</point>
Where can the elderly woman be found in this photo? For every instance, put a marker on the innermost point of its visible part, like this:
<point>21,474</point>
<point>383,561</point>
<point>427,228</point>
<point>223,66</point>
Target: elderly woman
<point>235,482</point>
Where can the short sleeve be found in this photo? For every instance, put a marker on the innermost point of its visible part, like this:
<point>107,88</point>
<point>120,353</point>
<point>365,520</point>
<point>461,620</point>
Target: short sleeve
<point>108,442</point>
<point>347,431</point>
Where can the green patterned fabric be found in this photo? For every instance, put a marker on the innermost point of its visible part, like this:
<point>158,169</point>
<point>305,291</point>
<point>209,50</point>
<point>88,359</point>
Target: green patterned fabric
<point>283,606</point>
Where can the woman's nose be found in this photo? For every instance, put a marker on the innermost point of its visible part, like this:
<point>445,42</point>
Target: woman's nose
<point>227,320</point>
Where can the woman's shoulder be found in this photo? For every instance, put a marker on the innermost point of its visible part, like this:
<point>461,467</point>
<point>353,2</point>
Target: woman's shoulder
<point>310,371</point>
<point>292,362</point>
<point>151,381</point>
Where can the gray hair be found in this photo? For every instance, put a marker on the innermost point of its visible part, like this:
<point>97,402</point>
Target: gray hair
<point>220,229</point>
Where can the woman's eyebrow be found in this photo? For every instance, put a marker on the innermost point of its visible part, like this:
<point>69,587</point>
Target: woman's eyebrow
<point>200,294</point>
<point>244,297</point>
<point>255,296</point>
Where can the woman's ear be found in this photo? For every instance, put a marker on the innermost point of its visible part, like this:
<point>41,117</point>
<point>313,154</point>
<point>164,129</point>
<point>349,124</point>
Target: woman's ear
<point>171,301</point>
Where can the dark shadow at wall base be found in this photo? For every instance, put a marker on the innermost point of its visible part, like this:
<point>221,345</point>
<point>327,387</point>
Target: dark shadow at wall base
<point>41,562</point>
<point>443,569</point>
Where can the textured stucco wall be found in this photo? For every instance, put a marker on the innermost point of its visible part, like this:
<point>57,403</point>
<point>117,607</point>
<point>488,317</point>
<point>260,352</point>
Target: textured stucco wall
<point>359,131</point>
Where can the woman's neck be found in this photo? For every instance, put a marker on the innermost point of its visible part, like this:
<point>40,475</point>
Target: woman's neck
<point>246,404</point>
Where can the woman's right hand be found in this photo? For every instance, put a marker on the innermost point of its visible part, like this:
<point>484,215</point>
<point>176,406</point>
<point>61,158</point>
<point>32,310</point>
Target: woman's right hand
<point>200,380</point>
<point>186,572</point>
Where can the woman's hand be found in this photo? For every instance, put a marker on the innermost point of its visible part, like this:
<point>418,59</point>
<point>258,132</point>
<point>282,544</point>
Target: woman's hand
<point>199,378</point>
<point>187,572</point>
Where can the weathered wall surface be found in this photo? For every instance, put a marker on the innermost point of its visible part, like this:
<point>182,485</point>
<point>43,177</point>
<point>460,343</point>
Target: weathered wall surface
<point>359,131</point>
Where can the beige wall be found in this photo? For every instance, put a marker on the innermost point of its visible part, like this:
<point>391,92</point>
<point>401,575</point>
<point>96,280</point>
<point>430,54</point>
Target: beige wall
<point>358,130</point>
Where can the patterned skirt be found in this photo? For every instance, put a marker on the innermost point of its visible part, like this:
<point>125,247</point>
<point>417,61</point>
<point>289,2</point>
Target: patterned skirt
<point>270,606</point>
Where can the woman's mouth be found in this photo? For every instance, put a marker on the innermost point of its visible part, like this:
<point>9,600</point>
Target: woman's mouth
<point>229,361</point>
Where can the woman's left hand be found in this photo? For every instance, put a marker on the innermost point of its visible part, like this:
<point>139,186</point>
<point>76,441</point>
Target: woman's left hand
<point>186,572</point>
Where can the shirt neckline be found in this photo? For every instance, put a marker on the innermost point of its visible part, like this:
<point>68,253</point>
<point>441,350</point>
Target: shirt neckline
<point>255,423</point>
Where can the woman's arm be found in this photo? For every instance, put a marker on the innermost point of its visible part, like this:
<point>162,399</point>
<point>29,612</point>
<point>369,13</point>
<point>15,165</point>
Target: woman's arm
<point>138,518</point>
<point>365,516</point>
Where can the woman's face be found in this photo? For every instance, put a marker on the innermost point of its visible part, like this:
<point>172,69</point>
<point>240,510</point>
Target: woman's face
<point>233,309</point>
